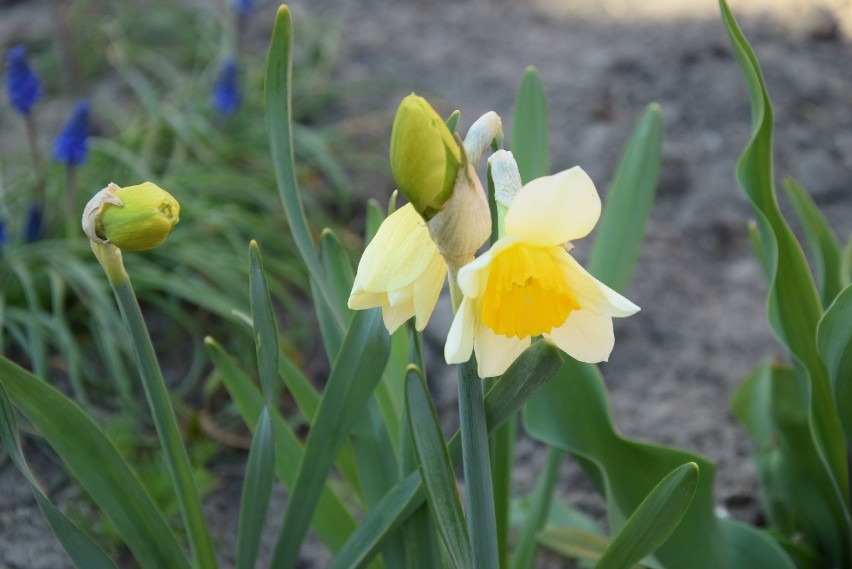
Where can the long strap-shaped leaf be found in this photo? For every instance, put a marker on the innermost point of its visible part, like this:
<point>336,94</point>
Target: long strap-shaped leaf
<point>523,378</point>
<point>654,520</point>
<point>277,93</point>
<point>98,467</point>
<point>793,304</point>
<point>436,471</point>
<point>572,413</point>
<point>355,374</point>
<point>80,548</point>
<point>834,336</point>
<point>331,521</point>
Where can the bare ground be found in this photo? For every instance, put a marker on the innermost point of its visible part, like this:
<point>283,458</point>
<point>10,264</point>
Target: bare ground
<point>702,327</point>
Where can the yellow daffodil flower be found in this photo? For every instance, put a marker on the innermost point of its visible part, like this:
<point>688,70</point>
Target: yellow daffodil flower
<point>401,271</point>
<point>528,284</point>
<point>404,266</point>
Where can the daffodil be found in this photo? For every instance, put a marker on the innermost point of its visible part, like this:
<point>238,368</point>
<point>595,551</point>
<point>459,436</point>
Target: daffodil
<point>528,284</point>
<point>403,268</point>
<point>401,271</point>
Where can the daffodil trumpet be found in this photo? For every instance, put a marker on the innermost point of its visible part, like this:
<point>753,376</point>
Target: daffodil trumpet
<point>528,284</point>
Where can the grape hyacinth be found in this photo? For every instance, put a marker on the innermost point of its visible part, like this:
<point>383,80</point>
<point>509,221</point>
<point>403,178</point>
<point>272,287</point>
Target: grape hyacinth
<point>242,7</point>
<point>226,89</point>
<point>22,84</point>
<point>71,144</point>
<point>34,226</point>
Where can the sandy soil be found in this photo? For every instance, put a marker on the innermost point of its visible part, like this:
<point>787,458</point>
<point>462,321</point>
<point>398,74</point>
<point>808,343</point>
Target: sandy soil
<point>702,327</point>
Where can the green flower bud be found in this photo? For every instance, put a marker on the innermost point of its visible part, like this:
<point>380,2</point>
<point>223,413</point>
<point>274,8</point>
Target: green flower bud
<point>134,218</point>
<point>424,156</point>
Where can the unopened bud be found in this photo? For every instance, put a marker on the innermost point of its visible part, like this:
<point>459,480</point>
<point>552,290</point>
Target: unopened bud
<point>424,156</point>
<point>134,218</point>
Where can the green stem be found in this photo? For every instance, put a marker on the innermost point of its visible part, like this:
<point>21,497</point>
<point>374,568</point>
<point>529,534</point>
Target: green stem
<point>477,468</point>
<point>524,555</point>
<point>502,454</point>
<point>177,460</point>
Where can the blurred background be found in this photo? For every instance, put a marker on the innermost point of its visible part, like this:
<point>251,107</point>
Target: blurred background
<point>175,96</point>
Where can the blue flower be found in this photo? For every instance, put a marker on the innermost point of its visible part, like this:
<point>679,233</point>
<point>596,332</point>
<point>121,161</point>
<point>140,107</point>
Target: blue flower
<point>226,90</point>
<point>33,228</point>
<point>242,7</point>
<point>22,84</point>
<point>70,145</point>
<point>2,232</point>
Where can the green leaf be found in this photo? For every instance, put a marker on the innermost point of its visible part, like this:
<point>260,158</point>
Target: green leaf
<point>453,121</point>
<point>354,375</point>
<point>375,215</point>
<point>331,521</point>
<point>539,506</point>
<point>257,488</point>
<point>436,471</point>
<point>523,378</point>
<point>628,205</point>
<point>834,337</point>
<point>571,412</point>
<point>575,543</point>
<point>793,305</point>
<point>277,94</point>
<point>796,485</point>
<point>823,243</point>
<point>529,128</point>
<point>265,330</point>
<point>653,521</point>
<point>97,466</point>
<point>80,548</point>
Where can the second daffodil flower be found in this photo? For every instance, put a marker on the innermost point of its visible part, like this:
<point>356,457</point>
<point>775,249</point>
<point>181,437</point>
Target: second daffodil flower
<point>447,220</point>
<point>528,284</point>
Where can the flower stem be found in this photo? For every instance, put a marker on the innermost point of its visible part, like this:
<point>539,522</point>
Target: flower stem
<point>162,412</point>
<point>477,468</point>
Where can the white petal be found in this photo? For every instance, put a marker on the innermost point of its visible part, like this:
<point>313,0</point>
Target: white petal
<point>591,293</point>
<point>495,353</point>
<point>585,336</point>
<point>480,134</point>
<point>460,338</point>
<point>398,254</point>
<point>427,289</point>
<point>555,209</point>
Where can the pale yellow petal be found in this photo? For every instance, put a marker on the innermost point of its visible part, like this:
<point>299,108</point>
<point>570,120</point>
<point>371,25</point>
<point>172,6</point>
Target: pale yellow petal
<point>427,289</point>
<point>361,300</point>
<point>555,209</point>
<point>398,254</point>
<point>396,316</point>
<point>495,353</point>
<point>585,336</point>
<point>592,294</point>
<point>460,338</point>
<point>402,295</point>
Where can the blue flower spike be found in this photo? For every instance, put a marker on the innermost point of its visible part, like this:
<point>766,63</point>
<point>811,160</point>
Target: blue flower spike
<point>22,84</point>
<point>242,7</point>
<point>70,146</point>
<point>226,91</point>
<point>35,220</point>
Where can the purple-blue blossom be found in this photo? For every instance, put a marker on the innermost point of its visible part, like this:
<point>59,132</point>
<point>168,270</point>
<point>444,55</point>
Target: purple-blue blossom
<point>226,89</point>
<point>242,7</point>
<point>71,144</point>
<point>22,84</point>
<point>33,228</point>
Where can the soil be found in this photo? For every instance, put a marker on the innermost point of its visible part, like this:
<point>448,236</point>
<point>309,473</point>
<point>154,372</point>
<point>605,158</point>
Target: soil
<point>703,325</point>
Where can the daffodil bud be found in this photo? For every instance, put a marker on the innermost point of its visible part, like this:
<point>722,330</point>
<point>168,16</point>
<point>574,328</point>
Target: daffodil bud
<point>424,156</point>
<point>134,218</point>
